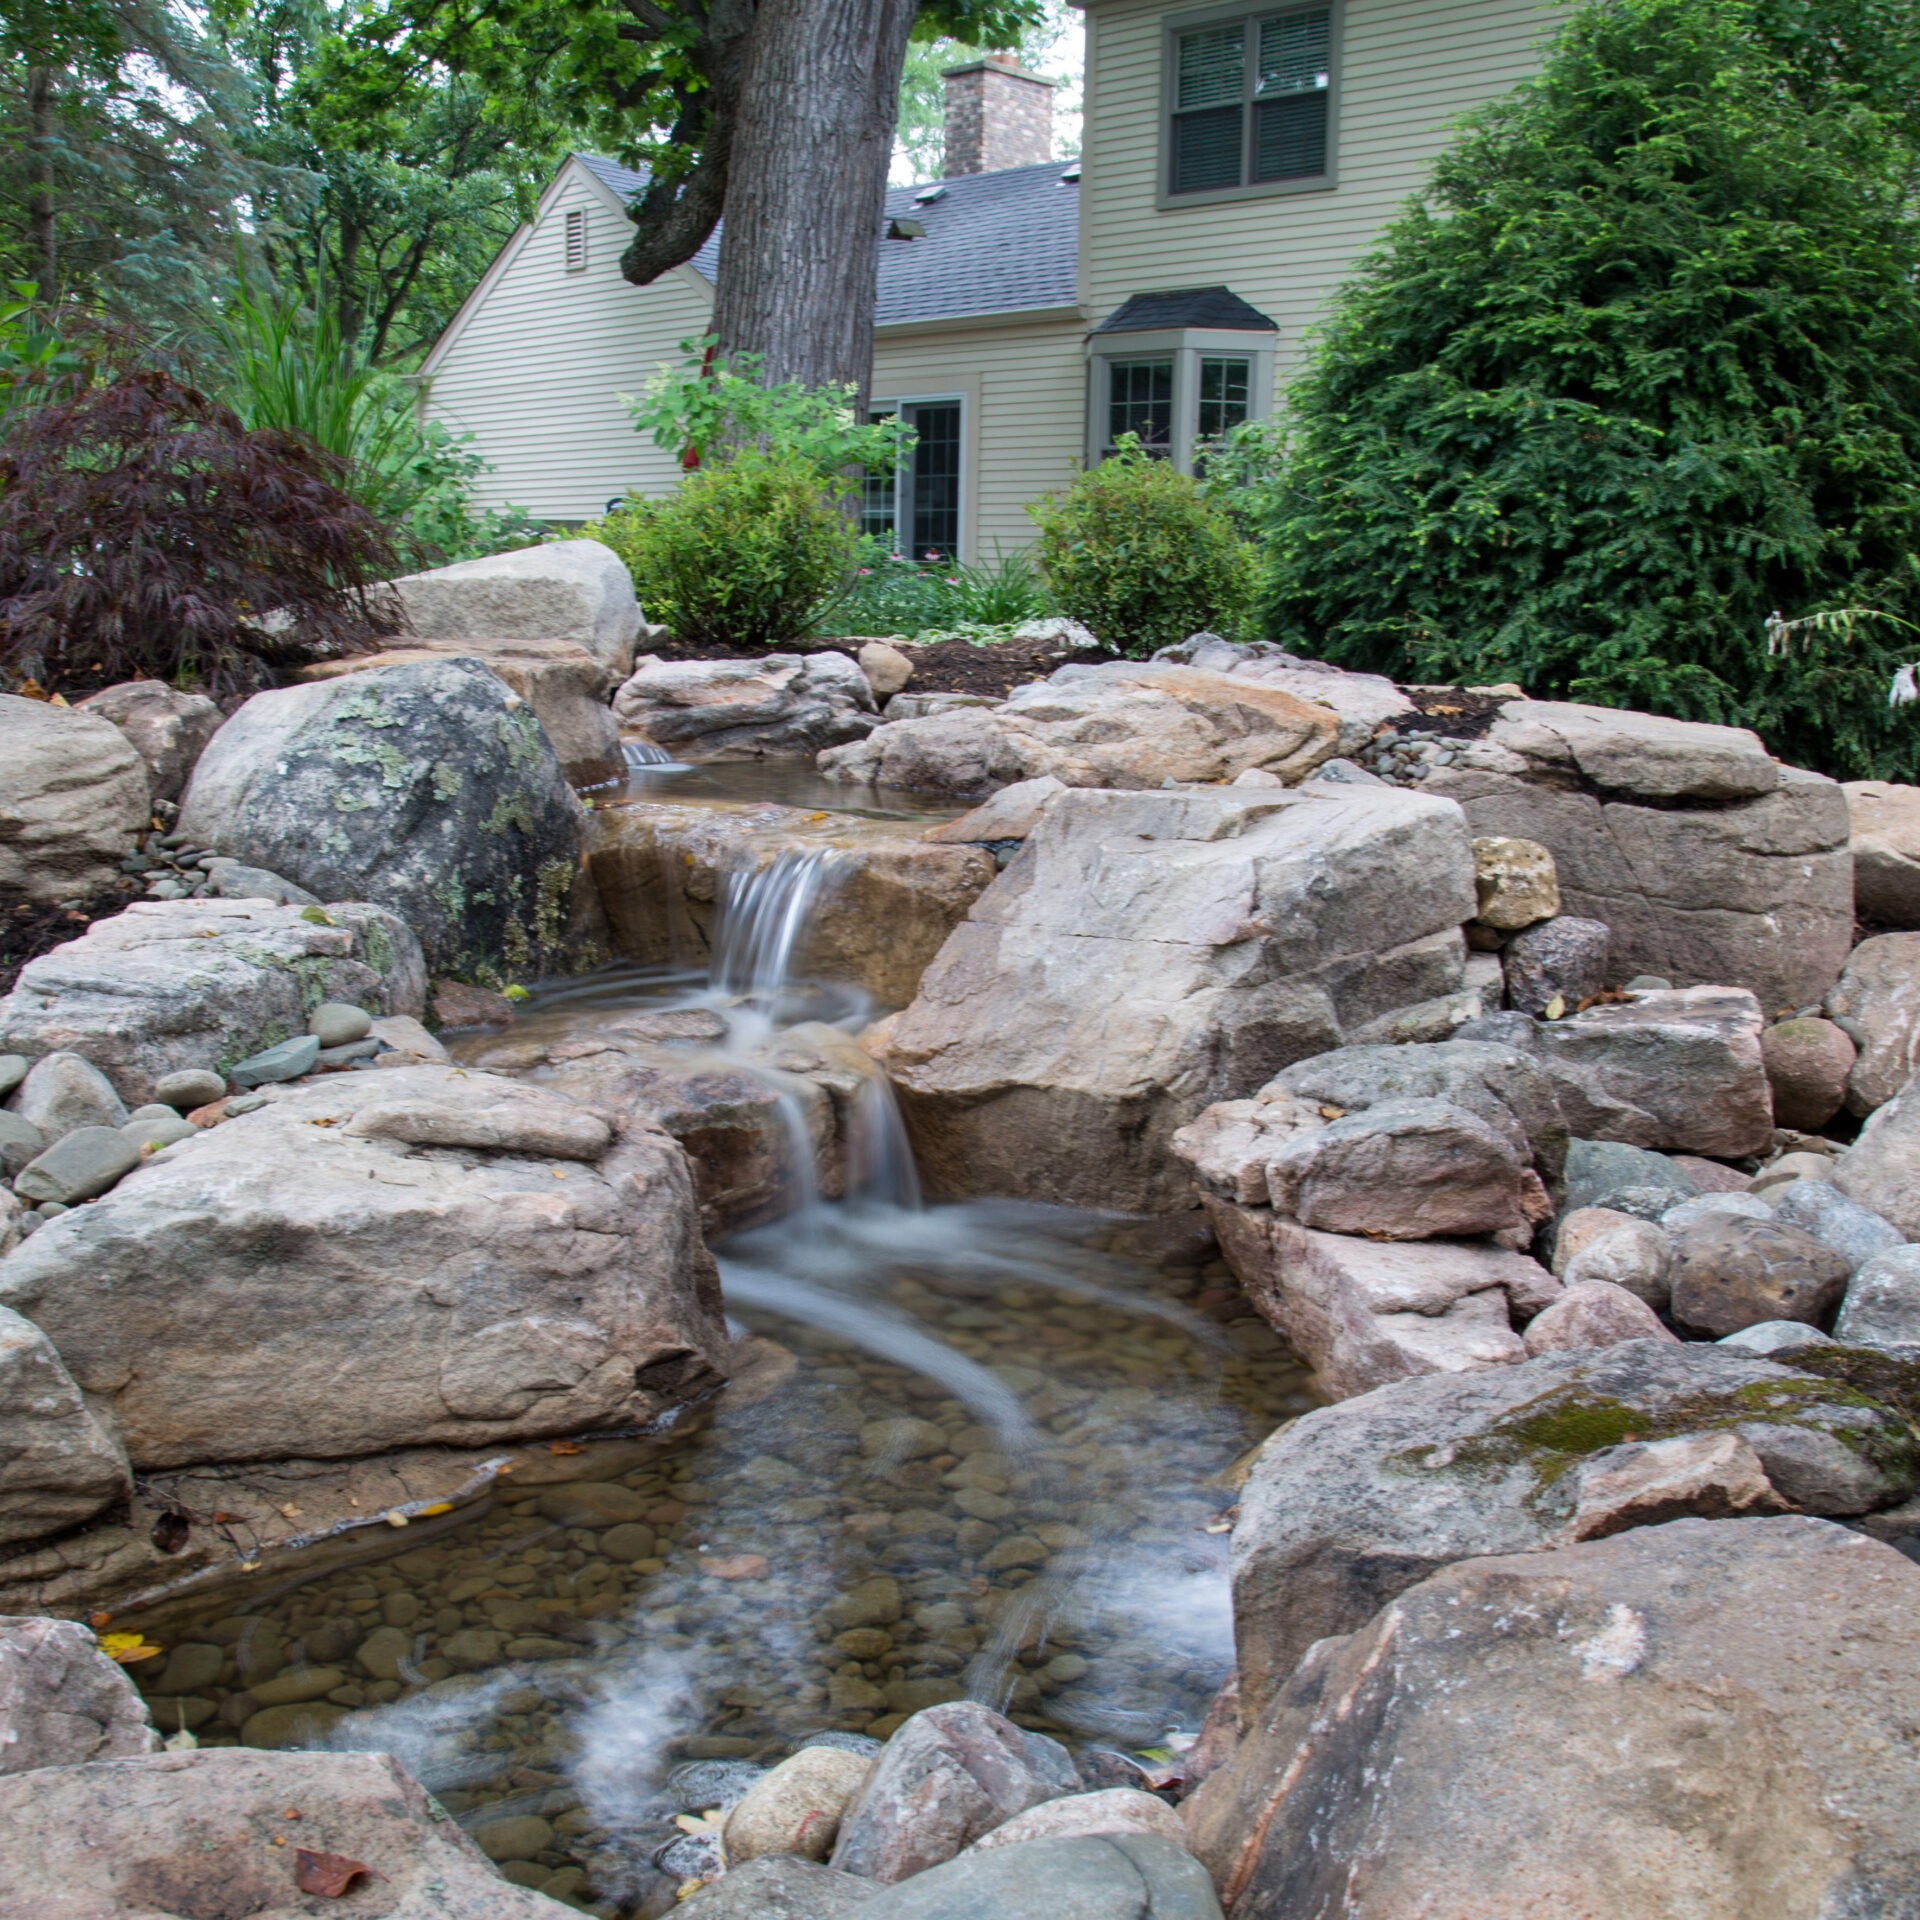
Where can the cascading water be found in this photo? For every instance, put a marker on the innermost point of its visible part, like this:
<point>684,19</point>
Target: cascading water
<point>763,917</point>
<point>643,754</point>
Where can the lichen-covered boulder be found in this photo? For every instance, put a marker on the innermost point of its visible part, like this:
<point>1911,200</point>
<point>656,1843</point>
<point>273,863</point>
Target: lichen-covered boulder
<point>377,1260</point>
<point>429,788</point>
<point>73,795</point>
<point>175,985</point>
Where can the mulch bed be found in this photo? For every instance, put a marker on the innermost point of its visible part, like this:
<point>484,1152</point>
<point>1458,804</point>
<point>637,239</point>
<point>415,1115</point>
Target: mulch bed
<point>951,666</point>
<point>1458,713</point>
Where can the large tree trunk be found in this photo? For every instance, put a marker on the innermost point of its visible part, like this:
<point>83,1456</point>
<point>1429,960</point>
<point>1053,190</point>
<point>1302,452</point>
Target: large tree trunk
<point>805,189</point>
<point>42,205</point>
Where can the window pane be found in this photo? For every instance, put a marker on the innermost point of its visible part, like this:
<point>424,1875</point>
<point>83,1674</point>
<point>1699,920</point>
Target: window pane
<point>877,499</point>
<point>1140,400</point>
<point>1212,67</point>
<point>1206,150</point>
<point>1296,53</point>
<point>1290,137</point>
<point>936,480</point>
<point>1223,395</point>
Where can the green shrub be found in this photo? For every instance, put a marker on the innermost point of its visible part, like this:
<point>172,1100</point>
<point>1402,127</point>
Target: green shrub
<point>1641,369</point>
<point>740,554</point>
<point>890,593</point>
<point>1142,555</point>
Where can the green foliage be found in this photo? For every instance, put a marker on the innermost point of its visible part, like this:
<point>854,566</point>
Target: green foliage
<point>741,554</point>
<point>287,370</point>
<point>920,136</point>
<point>890,593</point>
<point>33,352</point>
<point>1641,369</point>
<point>1142,554</point>
<point>713,406</point>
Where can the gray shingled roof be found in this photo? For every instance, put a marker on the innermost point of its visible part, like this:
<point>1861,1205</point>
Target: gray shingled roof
<point>995,242</point>
<point>1219,308</point>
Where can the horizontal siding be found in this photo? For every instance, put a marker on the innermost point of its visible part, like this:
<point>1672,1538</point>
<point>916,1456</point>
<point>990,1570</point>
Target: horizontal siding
<point>536,373</point>
<point>1025,393</point>
<point>1409,68</point>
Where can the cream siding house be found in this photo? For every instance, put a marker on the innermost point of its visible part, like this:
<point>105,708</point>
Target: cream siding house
<point>1238,161</point>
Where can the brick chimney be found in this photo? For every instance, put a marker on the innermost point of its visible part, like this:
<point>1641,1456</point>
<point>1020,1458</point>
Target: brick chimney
<point>998,115</point>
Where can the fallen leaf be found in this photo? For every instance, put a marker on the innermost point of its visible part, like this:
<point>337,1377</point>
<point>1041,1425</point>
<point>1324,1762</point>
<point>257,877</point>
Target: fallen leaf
<point>439,1506</point>
<point>565,1446</point>
<point>687,1889</point>
<point>395,1518</point>
<point>170,1532</point>
<point>711,1822</point>
<point>327,1874</point>
<point>181,1742</point>
<point>222,1518</point>
<point>128,1648</point>
<point>98,1620</point>
<point>1556,1007</point>
<point>1333,1113</point>
<point>288,1512</point>
<point>737,1566</point>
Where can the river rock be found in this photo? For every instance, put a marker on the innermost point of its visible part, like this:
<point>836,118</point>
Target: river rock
<point>168,729</point>
<point>63,1091</point>
<point>1600,1173</point>
<point>158,1133</point>
<point>1876,1002</point>
<point>1113,1810</point>
<point>948,1775</point>
<point>188,1833</point>
<point>429,789</point>
<point>186,1088</point>
<point>1361,1312</point>
<point>779,1887</point>
<point>284,1060</point>
<point>1589,1315</point>
<point>1354,1503</point>
<point>1807,1061</point>
<point>1885,819</point>
<point>1094,1877</point>
<point>796,1808</point>
<point>1515,883</point>
<point>1602,1244</point>
<point>63,1702</point>
<point>1148,954</point>
<point>1709,862</point>
<point>777,704</point>
<point>78,1166</point>
<point>1118,724</point>
<point>73,796</point>
<point>1644,1483</point>
<point>1010,814</point>
<point>1881,1169</point>
<point>886,667</point>
<point>20,1141</point>
<point>879,900</point>
<point>1882,1305</point>
<point>573,590</point>
<point>434,1277</point>
<point>58,1465</point>
<point>564,683</point>
<point>1563,959</point>
<point>1681,1071</point>
<point>1490,1743</point>
<point>1818,1207</point>
<point>1777,1337</point>
<point>1730,1273</point>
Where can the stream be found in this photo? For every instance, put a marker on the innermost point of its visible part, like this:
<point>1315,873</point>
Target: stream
<point>976,1450</point>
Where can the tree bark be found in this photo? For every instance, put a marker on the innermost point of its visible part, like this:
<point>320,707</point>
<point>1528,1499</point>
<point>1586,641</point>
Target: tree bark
<point>42,204</point>
<point>805,196</point>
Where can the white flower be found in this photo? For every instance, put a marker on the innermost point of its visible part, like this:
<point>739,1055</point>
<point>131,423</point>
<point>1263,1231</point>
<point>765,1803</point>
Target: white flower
<point>1903,692</point>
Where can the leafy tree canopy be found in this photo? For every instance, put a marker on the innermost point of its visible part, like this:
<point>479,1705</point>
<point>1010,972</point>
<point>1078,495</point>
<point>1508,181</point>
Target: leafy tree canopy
<point>1640,369</point>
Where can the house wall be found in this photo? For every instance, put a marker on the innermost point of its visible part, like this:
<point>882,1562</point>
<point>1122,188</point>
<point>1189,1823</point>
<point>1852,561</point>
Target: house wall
<point>535,366</point>
<point>1024,386</point>
<point>1407,69</point>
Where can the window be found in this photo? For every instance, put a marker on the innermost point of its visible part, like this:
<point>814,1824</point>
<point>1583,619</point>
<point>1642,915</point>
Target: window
<point>1140,400</point>
<point>1178,388</point>
<point>1250,105</point>
<point>576,240</point>
<point>1225,385</point>
<point>916,509</point>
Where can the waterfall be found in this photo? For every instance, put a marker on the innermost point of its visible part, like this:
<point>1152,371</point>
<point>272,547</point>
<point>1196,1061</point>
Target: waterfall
<point>643,753</point>
<point>762,916</point>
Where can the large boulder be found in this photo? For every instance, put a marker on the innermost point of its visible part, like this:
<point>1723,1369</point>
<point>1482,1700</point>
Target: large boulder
<point>1876,1003</point>
<point>171,985</point>
<point>1882,1305</point>
<point>564,683</point>
<point>1356,1502</point>
<point>73,796</point>
<point>1113,725</point>
<point>1089,1877</point>
<point>1679,1071</point>
<point>1148,954</point>
<point>779,703</point>
<point>1885,818</point>
<point>1361,703</point>
<point>1708,1718</point>
<point>680,883</point>
<point>1730,1273</point>
<point>379,1260</point>
<point>58,1465</point>
<point>427,788</point>
<point>1881,1169</point>
<point>168,729</point>
<point>178,1834</point>
<point>575,590</point>
<point>1709,862</point>
<point>63,1702</point>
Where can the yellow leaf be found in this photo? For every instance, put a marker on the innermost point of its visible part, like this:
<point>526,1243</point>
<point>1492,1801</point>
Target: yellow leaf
<point>289,1511</point>
<point>1557,1006</point>
<point>1333,1113</point>
<point>439,1506</point>
<point>395,1518</point>
<point>127,1647</point>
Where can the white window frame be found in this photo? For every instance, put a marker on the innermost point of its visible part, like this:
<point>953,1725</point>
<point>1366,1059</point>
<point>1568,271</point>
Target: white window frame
<point>1186,347</point>
<point>902,473</point>
<point>1165,199</point>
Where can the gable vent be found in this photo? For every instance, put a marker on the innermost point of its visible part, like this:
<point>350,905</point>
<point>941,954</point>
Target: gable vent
<point>576,240</point>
